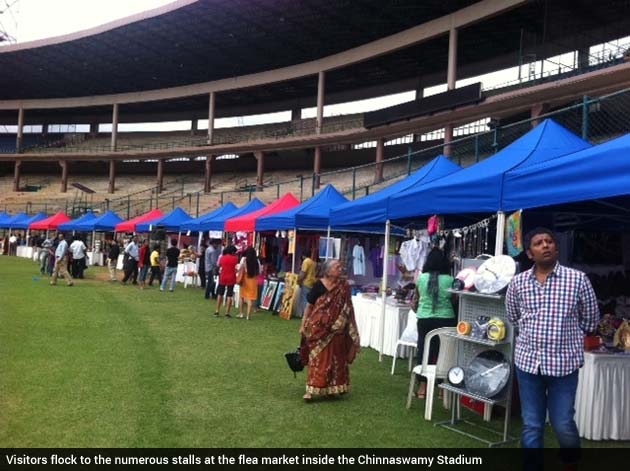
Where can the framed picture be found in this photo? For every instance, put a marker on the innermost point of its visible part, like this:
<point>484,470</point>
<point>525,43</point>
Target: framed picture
<point>278,297</point>
<point>288,296</point>
<point>268,294</point>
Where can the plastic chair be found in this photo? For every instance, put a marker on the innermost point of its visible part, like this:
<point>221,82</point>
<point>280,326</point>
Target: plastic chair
<point>447,357</point>
<point>409,338</point>
<point>190,273</point>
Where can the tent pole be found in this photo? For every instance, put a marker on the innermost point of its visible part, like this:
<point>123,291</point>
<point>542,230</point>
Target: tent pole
<point>200,235</point>
<point>179,236</point>
<point>384,293</point>
<point>498,247</point>
<point>294,249</point>
<point>327,241</point>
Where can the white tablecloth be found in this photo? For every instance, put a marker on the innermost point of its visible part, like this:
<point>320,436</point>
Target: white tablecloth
<point>24,251</point>
<point>367,312</point>
<point>602,403</point>
<point>96,258</point>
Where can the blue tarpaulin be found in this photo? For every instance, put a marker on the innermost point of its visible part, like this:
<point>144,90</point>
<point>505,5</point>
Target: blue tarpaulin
<point>75,225</point>
<point>8,224</point>
<point>3,217</point>
<point>198,224</point>
<point>373,209</point>
<point>27,222</point>
<point>104,223</point>
<point>171,222</point>
<point>602,171</point>
<point>313,214</point>
<point>479,188</point>
<point>218,223</point>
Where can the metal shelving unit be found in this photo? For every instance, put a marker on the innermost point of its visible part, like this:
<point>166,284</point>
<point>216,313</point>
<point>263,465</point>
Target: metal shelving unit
<point>471,306</point>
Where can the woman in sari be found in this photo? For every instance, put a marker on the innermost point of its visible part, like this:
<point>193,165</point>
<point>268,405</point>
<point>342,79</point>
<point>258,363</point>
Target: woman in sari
<point>331,338</point>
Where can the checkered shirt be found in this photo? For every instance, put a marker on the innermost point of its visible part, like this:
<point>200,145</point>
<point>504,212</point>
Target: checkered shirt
<point>552,319</point>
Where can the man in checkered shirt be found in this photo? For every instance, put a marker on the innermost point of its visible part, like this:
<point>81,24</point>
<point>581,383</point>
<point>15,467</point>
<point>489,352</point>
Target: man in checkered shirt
<point>553,306</point>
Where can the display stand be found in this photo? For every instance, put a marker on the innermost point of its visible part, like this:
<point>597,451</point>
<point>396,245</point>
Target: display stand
<point>471,306</point>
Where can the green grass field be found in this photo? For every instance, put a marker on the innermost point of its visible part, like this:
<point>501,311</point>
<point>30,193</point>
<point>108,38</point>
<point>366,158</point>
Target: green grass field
<point>105,365</point>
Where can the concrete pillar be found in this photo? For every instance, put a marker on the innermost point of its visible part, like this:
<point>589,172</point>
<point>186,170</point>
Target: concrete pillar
<point>160,175</point>
<point>112,176</point>
<point>208,176</point>
<point>448,138</point>
<point>583,58</point>
<point>193,127</point>
<point>20,131</point>
<point>211,106</point>
<point>296,114</point>
<point>45,129</point>
<point>380,153</point>
<point>93,129</point>
<point>537,110</point>
<point>317,166</point>
<point>451,74</point>
<point>16,175</point>
<point>114,127</point>
<point>260,169</point>
<point>64,175</point>
<point>321,86</point>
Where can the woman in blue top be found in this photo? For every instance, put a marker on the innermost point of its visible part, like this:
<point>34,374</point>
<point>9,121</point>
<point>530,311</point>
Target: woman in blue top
<point>435,306</point>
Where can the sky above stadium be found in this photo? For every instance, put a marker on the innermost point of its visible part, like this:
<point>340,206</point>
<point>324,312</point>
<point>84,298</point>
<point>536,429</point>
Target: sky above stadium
<point>30,20</point>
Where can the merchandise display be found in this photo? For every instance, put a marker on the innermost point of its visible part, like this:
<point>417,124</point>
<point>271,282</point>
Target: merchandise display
<point>488,373</point>
<point>456,376</point>
<point>467,278</point>
<point>464,328</point>
<point>494,274</point>
<point>496,329</point>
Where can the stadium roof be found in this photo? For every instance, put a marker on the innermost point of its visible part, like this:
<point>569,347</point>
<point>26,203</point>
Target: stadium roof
<point>200,41</point>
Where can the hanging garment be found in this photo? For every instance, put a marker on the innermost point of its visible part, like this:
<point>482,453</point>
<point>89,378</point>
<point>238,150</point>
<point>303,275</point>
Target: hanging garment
<point>358,260</point>
<point>414,252</point>
<point>376,257</point>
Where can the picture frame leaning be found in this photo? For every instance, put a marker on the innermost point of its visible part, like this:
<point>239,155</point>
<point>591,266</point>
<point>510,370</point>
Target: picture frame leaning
<point>268,295</point>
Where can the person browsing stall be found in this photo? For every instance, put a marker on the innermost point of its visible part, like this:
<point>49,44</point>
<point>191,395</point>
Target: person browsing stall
<point>306,280</point>
<point>170,273</point>
<point>227,279</point>
<point>553,306</point>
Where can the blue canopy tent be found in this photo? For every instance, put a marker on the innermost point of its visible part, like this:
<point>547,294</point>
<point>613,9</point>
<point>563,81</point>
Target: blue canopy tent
<point>3,217</point>
<point>8,223</point>
<point>374,209</point>
<point>581,180</point>
<point>75,225</point>
<point>217,223</point>
<point>172,222</point>
<point>479,188</point>
<point>23,224</point>
<point>197,224</point>
<point>312,214</point>
<point>104,223</point>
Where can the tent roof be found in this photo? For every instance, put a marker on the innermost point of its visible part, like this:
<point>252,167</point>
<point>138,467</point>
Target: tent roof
<point>478,188</point>
<point>374,209</point>
<point>602,171</point>
<point>171,222</point>
<point>25,223</point>
<point>130,225</point>
<point>13,219</point>
<point>247,223</point>
<point>53,222</point>
<point>217,223</point>
<point>105,222</point>
<point>196,224</point>
<point>75,225</point>
<point>312,214</point>
<point>4,216</point>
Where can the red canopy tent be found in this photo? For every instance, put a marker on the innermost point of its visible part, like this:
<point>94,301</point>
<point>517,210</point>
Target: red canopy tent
<point>50,223</point>
<point>247,222</point>
<point>130,226</point>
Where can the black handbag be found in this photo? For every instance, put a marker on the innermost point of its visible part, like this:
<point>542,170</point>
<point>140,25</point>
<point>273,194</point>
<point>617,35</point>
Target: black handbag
<point>295,359</point>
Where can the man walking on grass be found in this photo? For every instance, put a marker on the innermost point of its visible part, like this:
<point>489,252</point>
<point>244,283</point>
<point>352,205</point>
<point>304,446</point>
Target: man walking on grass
<point>61,262</point>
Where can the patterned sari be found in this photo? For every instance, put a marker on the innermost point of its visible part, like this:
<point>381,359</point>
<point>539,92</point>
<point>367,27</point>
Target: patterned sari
<point>332,339</point>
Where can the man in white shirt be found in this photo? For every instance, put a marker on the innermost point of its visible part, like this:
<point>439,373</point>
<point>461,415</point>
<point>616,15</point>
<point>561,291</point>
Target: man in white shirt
<point>78,248</point>
<point>61,262</point>
<point>131,266</point>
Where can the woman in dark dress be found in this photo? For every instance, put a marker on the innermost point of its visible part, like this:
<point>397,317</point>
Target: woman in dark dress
<point>330,333</point>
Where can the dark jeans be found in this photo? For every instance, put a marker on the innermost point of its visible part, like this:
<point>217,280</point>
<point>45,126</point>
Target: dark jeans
<point>78,265</point>
<point>202,274</point>
<point>540,393</point>
<point>425,326</point>
<point>131,271</point>
<point>210,288</point>
<point>156,274</point>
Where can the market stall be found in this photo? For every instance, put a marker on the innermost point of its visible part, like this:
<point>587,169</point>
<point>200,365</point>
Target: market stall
<point>130,225</point>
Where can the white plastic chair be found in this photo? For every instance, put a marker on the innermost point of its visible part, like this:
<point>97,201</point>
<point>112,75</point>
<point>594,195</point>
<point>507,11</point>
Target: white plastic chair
<point>409,338</point>
<point>190,273</point>
<point>447,358</point>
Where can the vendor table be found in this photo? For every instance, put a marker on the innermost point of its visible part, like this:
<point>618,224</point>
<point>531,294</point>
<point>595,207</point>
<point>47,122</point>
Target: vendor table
<point>367,312</point>
<point>602,407</point>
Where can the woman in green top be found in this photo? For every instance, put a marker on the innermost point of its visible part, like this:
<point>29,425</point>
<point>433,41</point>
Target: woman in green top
<point>435,306</point>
